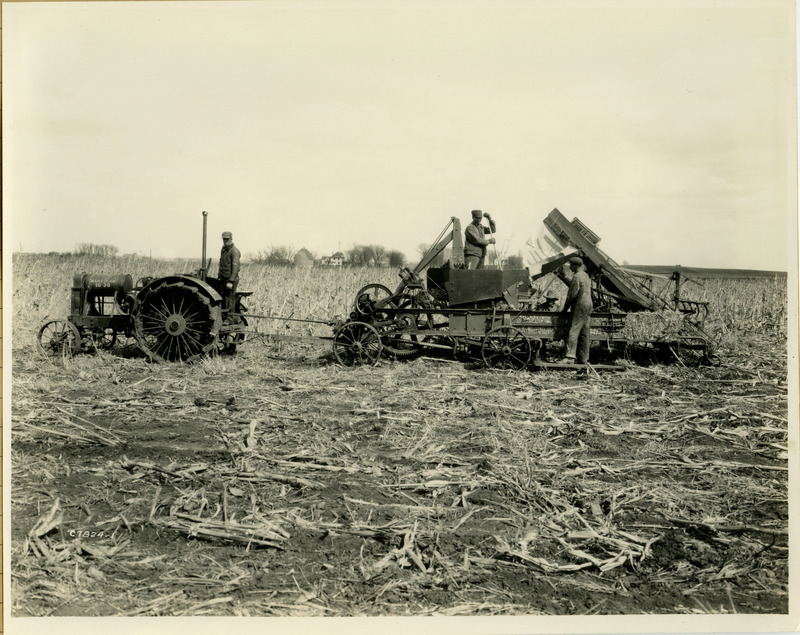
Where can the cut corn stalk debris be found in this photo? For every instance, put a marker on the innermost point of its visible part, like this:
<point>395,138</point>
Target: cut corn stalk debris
<point>275,483</point>
<point>251,535</point>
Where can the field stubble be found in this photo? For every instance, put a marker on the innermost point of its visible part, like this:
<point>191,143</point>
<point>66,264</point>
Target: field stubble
<point>277,483</point>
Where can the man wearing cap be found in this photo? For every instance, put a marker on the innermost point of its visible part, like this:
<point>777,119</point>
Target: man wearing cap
<point>229,274</point>
<point>475,241</point>
<point>579,299</point>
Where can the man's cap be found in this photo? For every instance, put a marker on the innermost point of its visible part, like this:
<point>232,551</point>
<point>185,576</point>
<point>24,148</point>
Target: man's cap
<point>227,235</point>
<point>476,213</point>
<point>575,260</point>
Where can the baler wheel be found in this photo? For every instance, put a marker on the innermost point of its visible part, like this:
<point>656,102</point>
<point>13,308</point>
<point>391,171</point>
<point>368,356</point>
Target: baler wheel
<point>59,339</point>
<point>175,321</point>
<point>357,344</point>
<point>506,347</point>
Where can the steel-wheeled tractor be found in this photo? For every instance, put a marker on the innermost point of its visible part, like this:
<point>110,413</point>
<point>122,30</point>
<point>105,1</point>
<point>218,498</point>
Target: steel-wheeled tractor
<point>172,318</point>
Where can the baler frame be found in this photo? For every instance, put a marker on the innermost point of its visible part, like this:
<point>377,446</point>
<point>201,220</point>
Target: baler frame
<point>497,315</point>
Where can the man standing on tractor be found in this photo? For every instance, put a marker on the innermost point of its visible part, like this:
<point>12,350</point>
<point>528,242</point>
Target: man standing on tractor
<point>475,241</point>
<point>579,299</point>
<point>229,276</point>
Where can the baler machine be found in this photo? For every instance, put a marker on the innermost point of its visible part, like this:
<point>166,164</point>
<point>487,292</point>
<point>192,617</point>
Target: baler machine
<point>498,315</point>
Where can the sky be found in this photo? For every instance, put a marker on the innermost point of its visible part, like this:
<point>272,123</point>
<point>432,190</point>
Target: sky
<point>669,128</point>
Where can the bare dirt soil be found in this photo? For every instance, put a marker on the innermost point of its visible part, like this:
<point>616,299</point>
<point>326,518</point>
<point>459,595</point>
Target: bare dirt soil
<point>275,482</point>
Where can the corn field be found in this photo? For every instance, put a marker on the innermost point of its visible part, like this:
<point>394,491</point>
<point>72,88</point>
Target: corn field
<point>42,284</point>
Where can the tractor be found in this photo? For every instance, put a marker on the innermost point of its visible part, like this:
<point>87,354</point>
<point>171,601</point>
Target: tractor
<point>173,318</point>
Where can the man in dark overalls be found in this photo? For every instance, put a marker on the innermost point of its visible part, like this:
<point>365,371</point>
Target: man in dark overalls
<point>579,299</point>
<point>229,276</point>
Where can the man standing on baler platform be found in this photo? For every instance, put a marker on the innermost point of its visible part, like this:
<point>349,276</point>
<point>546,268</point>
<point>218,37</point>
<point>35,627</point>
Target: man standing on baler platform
<point>475,241</point>
<point>579,299</point>
<point>229,275</point>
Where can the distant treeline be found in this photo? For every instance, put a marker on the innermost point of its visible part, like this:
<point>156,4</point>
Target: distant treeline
<point>90,249</point>
<point>357,256</point>
<point>702,272</point>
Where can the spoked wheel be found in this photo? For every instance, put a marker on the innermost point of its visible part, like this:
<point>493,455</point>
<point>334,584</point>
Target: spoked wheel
<point>59,339</point>
<point>506,347</point>
<point>174,322</point>
<point>228,339</point>
<point>104,339</point>
<point>357,344</point>
<point>370,297</point>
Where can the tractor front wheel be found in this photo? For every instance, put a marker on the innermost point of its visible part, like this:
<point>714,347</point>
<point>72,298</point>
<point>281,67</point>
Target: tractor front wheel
<point>59,339</point>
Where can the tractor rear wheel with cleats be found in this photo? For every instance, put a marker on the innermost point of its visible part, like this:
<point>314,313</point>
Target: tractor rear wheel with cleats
<point>175,322</point>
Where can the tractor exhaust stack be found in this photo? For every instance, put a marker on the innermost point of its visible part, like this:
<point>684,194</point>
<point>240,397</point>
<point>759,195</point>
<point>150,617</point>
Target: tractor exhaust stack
<point>203,264</point>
